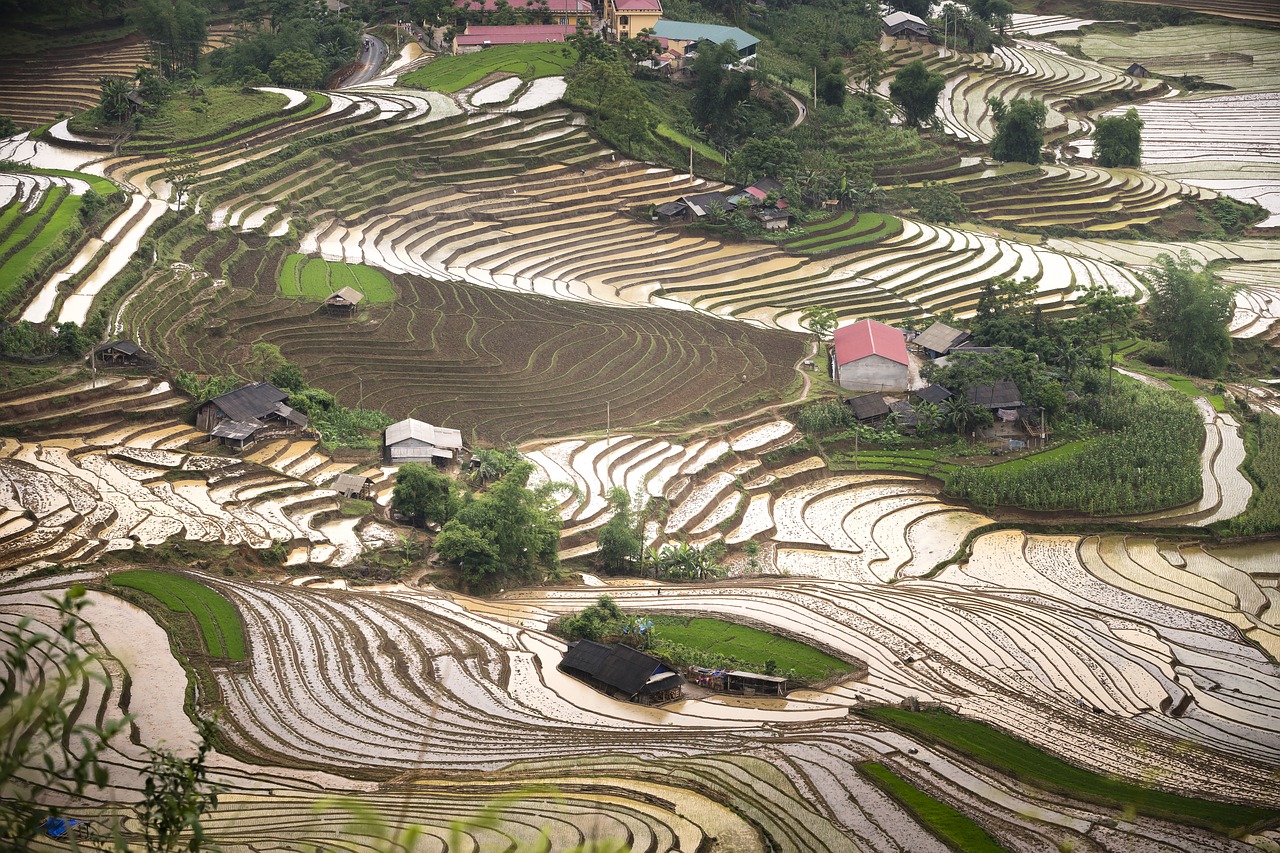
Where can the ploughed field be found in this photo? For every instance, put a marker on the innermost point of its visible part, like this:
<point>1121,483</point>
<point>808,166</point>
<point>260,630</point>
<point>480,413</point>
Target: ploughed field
<point>500,366</point>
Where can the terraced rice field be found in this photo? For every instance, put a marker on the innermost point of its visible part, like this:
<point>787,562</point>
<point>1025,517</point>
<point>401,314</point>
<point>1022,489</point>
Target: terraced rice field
<point>315,279</point>
<point>1244,58</point>
<point>525,61</point>
<point>1238,159</point>
<point>37,88</point>
<point>527,297</point>
<point>219,625</point>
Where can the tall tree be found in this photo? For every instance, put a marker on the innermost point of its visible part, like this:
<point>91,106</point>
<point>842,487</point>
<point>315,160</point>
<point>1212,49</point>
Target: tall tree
<point>1190,309</point>
<point>869,63</point>
<point>820,320</point>
<point>1019,129</point>
<point>297,68</point>
<point>1113,312</point>
<point>1117,140</point>
<point>113,98</point>
<point>620,537</point>
<point>424,494</point>
<point>915,88</point>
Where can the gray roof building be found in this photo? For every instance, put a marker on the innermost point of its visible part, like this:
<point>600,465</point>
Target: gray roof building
<point>417,441</point>
<point>940,338</point>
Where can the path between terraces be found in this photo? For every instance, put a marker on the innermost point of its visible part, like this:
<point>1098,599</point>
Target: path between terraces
<point>807,385</point>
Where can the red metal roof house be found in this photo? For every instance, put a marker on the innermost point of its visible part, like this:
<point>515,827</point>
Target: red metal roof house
<point>870,356</point>
<point>478,36</point>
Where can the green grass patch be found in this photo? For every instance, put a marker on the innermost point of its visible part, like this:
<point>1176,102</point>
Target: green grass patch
<point>668,132</point>
<point>315,279</point>
<point>1219,404</point>
<point>527,61</point>
<point>1021,760</point>
<point>1064,451</point>
<point>219,622</point>
<point>951,826</point>
<point>182,117</point>
<point>751,647</point>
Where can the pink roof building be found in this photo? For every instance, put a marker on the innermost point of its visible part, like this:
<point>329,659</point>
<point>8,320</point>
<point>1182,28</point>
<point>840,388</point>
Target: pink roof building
<point>479,36</point>
<point>555,7</point>
<point>871,356</point>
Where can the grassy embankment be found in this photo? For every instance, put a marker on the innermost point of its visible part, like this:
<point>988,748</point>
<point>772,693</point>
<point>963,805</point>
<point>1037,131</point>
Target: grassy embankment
<point>526,61</point>
<point>1010,756</point>
<point>956,830</point>
<point>219,624</point>
<point>315,279</point>
<point>750,647</point>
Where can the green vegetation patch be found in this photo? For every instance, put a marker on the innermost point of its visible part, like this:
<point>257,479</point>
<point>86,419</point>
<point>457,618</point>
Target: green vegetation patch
<point>753,648</point>
<point>526,61</point>
<point>1021,760</point>
<point>844,230</point>
<point>669,132</point>
<point>214,113</point>
<point>40,229</point>
<point>218,620</point>
<point>942,820</point>
<point>315,279</point>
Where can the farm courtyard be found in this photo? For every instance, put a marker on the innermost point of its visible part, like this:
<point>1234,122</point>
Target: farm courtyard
<point>1033,634</point>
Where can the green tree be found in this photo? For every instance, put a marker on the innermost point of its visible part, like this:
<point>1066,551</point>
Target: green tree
<point>1116,314</point>
<point>177,795</point>
<point>424,494</point>
<point>938,202</point>
<point>916,89</point>
<point>177,30</point>
<point>180,171</point>
<point>769,157</point>
<point>72,342</point>
<point>1117,140</point>
<point>1190,308</point>
<point>1019,129</point>
<point>619,537</point>
<point>471,550</point>
<point>820,320</point>
<point>919,8</point>
<point>288,377</point>
<point>43,749</point>
<point>265,359</point>
<point>297,68</point>
<point>7,127</point>
<point>113,98</point>
<point>869,63</point>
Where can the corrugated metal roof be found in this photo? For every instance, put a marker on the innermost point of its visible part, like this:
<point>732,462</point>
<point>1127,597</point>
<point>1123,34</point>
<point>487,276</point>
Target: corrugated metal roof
<point>893,19</point>
<point>255,400</point>
<point>715,33</point>
<point>940,337</point>
<point>235,430</point>
<point>868,406</point>
<point>867,337</point>
<point>408,428</point>
<point>621,667</point>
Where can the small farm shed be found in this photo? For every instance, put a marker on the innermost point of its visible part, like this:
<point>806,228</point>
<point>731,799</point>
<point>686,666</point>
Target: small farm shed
<point>121,354</point>
<point>940,339</point>
<point>774,218</point>
<point>416,441</point>
<point>934,394</point>
<point>700,204</point>
<point>344,300</point>
<point>1003,394</point>
<point>351,485</point>
<point>869,408</point>
<point>238,416</point>
<point>905,25</point>
<point>902,412</point>
<point>672,211</point>
<point>1136,70</point>
<point>480,36</point>
<point>622,671</point>
<point>870,356</point>
<point>736,681</point>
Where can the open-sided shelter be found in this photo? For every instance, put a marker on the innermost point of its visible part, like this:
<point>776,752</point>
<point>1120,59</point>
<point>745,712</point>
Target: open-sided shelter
<point>344,300</point>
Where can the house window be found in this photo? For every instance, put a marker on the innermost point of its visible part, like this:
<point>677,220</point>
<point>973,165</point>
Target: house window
<point>564,21</point>
<point>624,20</point>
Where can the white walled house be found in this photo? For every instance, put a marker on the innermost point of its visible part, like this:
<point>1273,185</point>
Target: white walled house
<point>870,356</point>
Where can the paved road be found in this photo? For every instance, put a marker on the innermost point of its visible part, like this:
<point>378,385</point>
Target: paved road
<point>373,52</point>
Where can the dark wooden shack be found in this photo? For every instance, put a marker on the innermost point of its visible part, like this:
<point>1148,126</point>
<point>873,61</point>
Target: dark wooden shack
<point>623,672</point>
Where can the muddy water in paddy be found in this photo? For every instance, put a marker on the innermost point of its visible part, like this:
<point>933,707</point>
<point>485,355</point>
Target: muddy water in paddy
<point>159,682</point>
